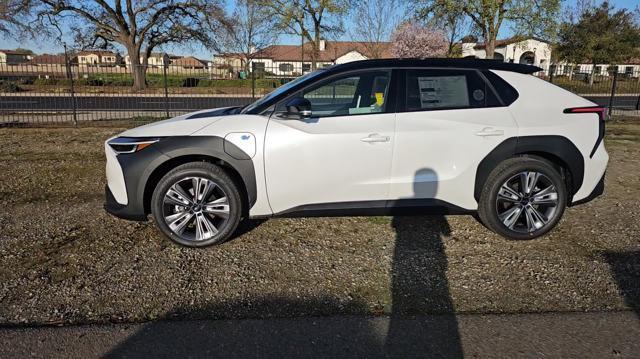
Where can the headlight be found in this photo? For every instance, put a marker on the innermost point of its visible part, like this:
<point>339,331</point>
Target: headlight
<point>131,144</point>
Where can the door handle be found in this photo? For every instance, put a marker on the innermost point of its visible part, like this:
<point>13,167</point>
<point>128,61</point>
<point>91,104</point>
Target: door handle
<point>374,137</point>
<point>490,131</point>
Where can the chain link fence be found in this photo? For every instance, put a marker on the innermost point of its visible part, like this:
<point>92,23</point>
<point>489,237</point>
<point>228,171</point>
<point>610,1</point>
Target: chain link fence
<point>70,93</point>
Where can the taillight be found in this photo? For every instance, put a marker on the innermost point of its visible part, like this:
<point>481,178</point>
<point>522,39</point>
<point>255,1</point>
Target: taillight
<point>601,111</point>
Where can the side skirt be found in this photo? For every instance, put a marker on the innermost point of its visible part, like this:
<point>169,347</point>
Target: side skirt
<point>402,207</point>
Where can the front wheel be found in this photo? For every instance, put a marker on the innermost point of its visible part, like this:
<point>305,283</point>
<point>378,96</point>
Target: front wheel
<point>196,204</point>
<point>523,198</point>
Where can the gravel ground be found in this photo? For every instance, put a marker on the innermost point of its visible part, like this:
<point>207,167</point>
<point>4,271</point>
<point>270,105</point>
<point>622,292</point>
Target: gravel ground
<point>63,260</point>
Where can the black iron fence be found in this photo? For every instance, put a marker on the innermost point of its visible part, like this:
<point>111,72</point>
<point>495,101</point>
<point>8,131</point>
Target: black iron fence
<point>68,93</point>
<point>617,87</point>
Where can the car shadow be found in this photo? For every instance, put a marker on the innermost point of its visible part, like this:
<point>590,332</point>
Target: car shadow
<point>325,326</point>
<point>625,267</point>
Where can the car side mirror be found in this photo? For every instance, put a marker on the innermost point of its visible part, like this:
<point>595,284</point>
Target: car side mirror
<point>298,108</point>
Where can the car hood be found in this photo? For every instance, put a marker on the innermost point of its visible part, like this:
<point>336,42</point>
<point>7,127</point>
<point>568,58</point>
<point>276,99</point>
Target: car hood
<point>183,125</point>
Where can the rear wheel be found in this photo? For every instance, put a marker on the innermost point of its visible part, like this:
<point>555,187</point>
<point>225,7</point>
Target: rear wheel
<point>196,204</point>
<point>523,198</point>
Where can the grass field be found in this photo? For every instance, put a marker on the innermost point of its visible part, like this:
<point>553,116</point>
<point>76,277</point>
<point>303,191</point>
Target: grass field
<point>64,260</point>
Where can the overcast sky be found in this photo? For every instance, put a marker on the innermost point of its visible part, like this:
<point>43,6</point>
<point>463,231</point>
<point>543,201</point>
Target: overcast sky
<point>206,54</point>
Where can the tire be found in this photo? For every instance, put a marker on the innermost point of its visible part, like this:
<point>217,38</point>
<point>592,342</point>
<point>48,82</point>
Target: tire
<point>197,218</point>
<point>530,206</point>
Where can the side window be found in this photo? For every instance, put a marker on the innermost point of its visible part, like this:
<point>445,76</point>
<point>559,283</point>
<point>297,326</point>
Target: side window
<point>506,92</point>
<point>436,89</point>
<point>351,94</point>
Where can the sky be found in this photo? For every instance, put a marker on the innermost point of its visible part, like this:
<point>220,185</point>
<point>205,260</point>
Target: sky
<point>44,46</point>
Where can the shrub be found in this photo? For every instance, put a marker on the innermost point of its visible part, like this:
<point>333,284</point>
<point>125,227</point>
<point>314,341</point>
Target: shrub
<point>9,86</point>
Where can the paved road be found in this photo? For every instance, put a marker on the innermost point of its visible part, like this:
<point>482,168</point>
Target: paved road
<point>149,103</point>
<point>579,335</point>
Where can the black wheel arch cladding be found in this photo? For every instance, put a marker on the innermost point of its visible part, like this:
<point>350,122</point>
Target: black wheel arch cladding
<point>555,146</point>
<point>139,167</point>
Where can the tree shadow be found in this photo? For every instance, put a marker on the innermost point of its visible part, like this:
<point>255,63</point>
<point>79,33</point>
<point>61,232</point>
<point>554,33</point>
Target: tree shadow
<point>308,327</point>
<point>625,267</point>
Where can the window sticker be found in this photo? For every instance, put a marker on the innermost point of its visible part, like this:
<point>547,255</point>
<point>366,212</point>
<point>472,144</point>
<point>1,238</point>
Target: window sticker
<point>443,91</point>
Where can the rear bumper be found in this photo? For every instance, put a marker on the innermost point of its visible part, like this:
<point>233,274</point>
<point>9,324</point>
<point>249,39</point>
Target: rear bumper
<point>598,190</point>
<point>121,210</point>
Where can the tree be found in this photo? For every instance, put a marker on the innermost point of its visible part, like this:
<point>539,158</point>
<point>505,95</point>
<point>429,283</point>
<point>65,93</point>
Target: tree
<point>414,40</point>
<point>139,26</point>
<point>601,36</point>
<point>311,19</point>
<point>373,23</point>
<point>527,17</point>
<point>250,30</point>
<point>10,11</point>
<point>455,24</point>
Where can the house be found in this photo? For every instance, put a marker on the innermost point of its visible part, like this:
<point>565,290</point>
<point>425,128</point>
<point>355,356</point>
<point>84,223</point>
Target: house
<point>189,62</point>
<point>530,51</point>
<point>156,59</point>
<point>286,60</point>
<point>98,58</point>
<point>14,57</point>
<point>47,59</point>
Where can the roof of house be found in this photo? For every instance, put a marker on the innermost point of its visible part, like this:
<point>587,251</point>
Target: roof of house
<point>97,52</point>
<point>332,51</point>
<point>509,41</point>
<point>48,59</point>
<point>188,61</point>
<point>15,52</point>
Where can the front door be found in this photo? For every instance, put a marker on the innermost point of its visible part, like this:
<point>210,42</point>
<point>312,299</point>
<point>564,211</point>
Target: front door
<point>339,157</point>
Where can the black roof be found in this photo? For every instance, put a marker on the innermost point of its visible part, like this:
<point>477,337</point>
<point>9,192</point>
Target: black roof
<point>438,62</point>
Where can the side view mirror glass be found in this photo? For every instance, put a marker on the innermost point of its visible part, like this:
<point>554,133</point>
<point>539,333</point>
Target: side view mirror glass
<point>298,108</point>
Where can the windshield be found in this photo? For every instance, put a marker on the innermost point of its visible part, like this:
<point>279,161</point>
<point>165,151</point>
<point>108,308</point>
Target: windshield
<point>280,90</point>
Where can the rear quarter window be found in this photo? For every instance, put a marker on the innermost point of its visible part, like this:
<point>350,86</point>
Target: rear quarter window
<point>507,93</point>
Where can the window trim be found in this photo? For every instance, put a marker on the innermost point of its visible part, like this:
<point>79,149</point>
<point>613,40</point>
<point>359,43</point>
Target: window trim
<point>401,101</point>
<point>391,99</point>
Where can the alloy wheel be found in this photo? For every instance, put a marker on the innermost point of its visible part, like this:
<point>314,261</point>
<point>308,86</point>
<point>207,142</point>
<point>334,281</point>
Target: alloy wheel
<point>526,202</point>
<point>195,208</point>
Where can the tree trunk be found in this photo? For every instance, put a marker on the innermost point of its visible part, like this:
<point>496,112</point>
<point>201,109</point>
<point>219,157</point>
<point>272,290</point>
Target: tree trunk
<point>490,48</point>
<point>316,45</point>
<point>592,75</point>
<point>571,69</point>
<point>138,70</point>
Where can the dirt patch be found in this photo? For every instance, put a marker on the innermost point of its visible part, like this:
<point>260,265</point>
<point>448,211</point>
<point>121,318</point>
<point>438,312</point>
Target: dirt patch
<point>64,260</point>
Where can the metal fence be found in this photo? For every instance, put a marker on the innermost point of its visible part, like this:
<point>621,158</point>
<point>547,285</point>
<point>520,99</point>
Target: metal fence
<point>68,93</point>
<point>615,87</point>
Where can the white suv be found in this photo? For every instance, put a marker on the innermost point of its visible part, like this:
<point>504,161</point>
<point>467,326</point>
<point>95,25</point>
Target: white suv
<point>378,137</point>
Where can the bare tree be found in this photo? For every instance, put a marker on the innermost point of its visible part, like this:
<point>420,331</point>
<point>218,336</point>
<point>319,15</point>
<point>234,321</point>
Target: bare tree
<point>374,21</point>
<point>139,26</point>
<point>10,17</point>
<point>249,31</point>
<point>311,19</point>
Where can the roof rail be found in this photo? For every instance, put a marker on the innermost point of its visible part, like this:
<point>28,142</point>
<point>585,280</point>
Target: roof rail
<point>441,62</point>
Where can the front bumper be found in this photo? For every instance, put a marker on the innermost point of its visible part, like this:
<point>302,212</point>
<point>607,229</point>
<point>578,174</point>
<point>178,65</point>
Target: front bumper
<point>121,210</point>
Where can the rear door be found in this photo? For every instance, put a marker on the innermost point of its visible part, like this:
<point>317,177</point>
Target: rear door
<point>448,120</point>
